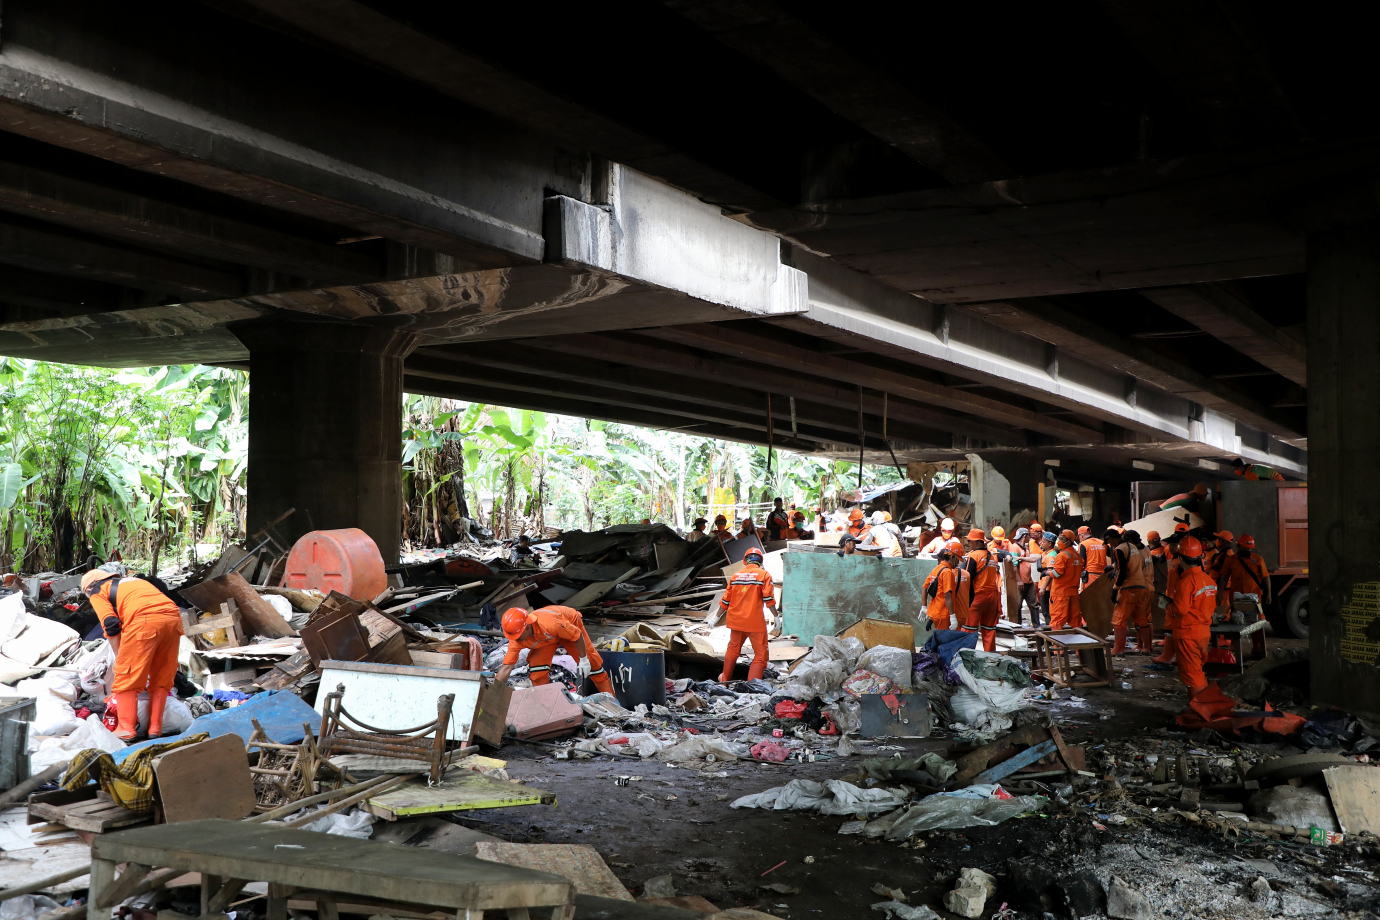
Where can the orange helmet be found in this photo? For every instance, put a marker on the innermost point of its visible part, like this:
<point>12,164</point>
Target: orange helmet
<point>753,555</point>
<point>95,578</point>
<point>1246,542</point>
<point>1152,536</point>
<point>1190,548</point>
<point>514,622</point>
<point>855,515</point>
<point>1225,536</point>
<point>1181,527</point>
<point>954,547</point>
<point>976,534</point>
<point>998,533</point>
<point>946,525</point>
<point>1067,538</point>
<point>1084,530</point>
<point>1036,527</point>
<point>798,516</point>
<point>720,519</point>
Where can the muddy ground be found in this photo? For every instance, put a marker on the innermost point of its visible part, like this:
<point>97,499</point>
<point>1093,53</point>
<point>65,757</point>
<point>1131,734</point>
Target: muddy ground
<point>678,822</point>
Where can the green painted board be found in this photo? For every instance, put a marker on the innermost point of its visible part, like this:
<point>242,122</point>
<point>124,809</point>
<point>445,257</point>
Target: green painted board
<point>461,790</point>
<point>824,593</point>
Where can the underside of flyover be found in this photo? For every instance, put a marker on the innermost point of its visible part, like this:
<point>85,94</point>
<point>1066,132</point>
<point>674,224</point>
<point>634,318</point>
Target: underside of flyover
<point>1108,233</point>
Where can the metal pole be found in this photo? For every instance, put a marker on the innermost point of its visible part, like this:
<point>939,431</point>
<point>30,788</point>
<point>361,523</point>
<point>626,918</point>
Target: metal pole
<point>861,437</point>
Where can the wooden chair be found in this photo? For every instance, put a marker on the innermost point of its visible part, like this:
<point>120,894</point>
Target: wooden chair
<point>288,772</point>
<point>403,744</point>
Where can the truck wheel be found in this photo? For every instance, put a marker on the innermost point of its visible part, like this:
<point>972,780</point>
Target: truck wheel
<point>1292,616</point>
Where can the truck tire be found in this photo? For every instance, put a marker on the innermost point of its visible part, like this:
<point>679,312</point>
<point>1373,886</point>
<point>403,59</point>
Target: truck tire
<point>1290,616</point>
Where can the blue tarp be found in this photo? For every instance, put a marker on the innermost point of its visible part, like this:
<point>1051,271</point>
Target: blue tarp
<point>280,712</point>
<point>949,642</point>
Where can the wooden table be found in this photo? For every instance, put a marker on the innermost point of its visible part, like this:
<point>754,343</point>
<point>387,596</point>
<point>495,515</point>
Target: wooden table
<point>1071,658</point>
<point>316,867</point>
<point>1235,632</point>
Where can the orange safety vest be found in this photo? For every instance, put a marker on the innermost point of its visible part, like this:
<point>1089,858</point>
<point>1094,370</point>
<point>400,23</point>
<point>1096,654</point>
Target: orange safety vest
<point>748,589</point>
<point>1195,596</point>
<point>982,568</point>
<point>1068,571</point>
<point>1095,554</point>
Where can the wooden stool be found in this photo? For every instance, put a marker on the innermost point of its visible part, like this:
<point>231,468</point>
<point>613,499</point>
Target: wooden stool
<point>1071,657</point>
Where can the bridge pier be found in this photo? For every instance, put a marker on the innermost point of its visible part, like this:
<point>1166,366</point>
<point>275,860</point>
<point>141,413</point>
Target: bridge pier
<point>1343,446</point>
<point>325,417</point>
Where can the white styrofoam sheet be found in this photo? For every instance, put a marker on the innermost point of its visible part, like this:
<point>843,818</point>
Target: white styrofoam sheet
<point>395,696</point>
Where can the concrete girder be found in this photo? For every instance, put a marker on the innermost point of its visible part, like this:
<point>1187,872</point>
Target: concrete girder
<point>539,362</point>
<point>372,35</point>
<point>851,307</point>
<point>140,221</point>
<point>1226,317</point>
<point>64,295</point>
<point>766,33</point>
<point>119,85</point>
<point>658,355</point>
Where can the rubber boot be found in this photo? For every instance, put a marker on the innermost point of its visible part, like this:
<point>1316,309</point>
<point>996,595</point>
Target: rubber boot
<point>127,710</point>
<point>989,640</point>
<point>756,670</point>
<point>158,699</point>
<point>1119,646</point>
<point>1143,640</point>
<point>1166,660</point>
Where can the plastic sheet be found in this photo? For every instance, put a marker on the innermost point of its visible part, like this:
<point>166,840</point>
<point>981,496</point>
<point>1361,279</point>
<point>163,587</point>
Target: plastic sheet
<point>823,670</point>
<point>52,696</point>
<point>899,911</point>
<point>696,747</point>
<point>846,713</point>
<point>89,734</point>
<point>892,663</point>
<point>282,714</point>
<point>986,699</point>
<point>945,812</point>
<point>832,797</point>
<point>355,823</point>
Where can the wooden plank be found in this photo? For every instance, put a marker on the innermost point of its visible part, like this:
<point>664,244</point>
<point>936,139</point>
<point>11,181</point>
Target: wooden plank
<point>1096,605</point>
<point>461,790</point>
<point>1355,793</point>
<point>874,632</point>
<point>594,592</point>
<point>206,780</point>
<point>580,863</point>
<point>1007,767</point>
<point>1064,754</point>
<point>326,862</point>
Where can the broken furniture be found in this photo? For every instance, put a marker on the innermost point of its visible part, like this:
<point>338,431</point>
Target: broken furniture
<point>461,790</point>
<point>288,772</point>
<point>1016,751</point>
<point>403,743</point>
<point>873,632</point>
<point>212,630</point>
<point>894,715</point>
<point>210,779</point>
<point>88,809</point>
<point>1071,658</point>
<point>344,629</point>
<point>543,712</point>
<point>395,695</point>
<point>16,712</point>
<point>1235,632</point>
<point>257,616</point>
<point>323,868</point>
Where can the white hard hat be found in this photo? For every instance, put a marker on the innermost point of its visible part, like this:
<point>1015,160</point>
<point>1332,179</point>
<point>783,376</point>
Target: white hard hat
<point>879,517</point>
<point>946,524</point>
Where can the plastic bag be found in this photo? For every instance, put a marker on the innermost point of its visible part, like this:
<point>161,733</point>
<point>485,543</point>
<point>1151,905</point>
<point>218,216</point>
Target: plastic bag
<point>27,907</point>
<point>53,713</point>
<point>824,669</point>
<point>846,713</point>
<point>98,672</point>
<point>89,734</point>
<point>854,800</point>
<point>898,911</point>
<point>867,683</point>
<point>947,812</point>
<point>986,700</point>
<point>696,747</point>
<point>355,823</point>
<point>892,663</point>
<point>770,752</point>
<point>280,604</point>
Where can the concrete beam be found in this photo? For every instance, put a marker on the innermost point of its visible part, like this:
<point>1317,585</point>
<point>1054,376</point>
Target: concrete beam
<point>372,34</point>
<point>1218,311</point>
<point>140,221</point>
<point>767,34</point>
<point>177,334</point>
<point>162,88</point>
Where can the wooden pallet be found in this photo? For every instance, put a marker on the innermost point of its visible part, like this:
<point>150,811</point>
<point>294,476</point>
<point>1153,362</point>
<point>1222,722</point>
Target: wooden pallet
<point>84,810</point>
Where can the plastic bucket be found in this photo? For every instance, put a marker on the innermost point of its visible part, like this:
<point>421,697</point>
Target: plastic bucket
<point>638,677</point>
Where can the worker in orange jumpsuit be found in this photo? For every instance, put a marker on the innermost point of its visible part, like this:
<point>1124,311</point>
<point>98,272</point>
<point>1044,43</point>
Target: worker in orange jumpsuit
<point>1048,553</point>
<point>1094,554</point>
<point>796,530</point>
<point>1195,599</point>
<point>721,531</point>
<point>542,632</point>
<point>1255,471</point>
<point>1173,572</point>
<point>1134,580</point>
<point>946,609</point>
<point>981,566</point>
<point>144,627</point>
<point>1245,572</point>
<point>999,543</point>
<point>748,590</point>
<point>1064,612</point>
<point>946,533</point>
<point>857,523</point>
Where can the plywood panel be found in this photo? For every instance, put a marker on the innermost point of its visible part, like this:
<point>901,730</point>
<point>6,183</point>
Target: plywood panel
<point>398,696</point>
<point>206,780</point>
<point>824,594</point>
<point>1355,793</point>
<point>580,863</point>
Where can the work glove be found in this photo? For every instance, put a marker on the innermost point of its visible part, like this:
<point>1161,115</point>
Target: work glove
<point>584,668</point>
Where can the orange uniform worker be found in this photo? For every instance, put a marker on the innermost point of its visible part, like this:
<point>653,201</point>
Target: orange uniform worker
<point>1064,612</point>
<point>857,523</point>
<point>982,570</point>
<point>1171,614</point>
<point>946,533</point>
<point>999,543</point>
<point>1134,582</point>
<point>941,588</point>
<point>796,530</point>
<point>1094,554</point>
<point>748,590</point>
<point>144,627</point>
<point>1254,471</point>
<point>721,531</point>
<point>1195,599</point>
<point>1245,572</point>
<point>542,632</point>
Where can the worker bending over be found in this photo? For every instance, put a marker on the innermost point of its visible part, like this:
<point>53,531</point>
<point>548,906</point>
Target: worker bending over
<point>1064,612</point>
<point>542,632</point>
<point>1194,599</point>
<point>1134,578</point>
<point>946,533</point>
<point>986,580</point>
<point>748,590</point>
<point>144,627</point>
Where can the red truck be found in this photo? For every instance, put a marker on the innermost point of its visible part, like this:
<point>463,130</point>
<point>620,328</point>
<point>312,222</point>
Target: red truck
<point>1276,514</point>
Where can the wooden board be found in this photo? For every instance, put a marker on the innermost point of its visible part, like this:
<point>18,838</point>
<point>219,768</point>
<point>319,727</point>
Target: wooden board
<point>206,780</point>
<point>95,815</point>
<point>596,591</point>
<point>1096,605</point>
<point>580,863</point>
<point>491,714</point>
<point>328,862</point>
<point>826,593</point>
<point>461,790</point>
<point>874,632</point>
<point>1355,793</point>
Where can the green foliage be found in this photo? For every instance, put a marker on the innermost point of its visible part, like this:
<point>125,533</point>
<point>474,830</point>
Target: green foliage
<point>94,460</point>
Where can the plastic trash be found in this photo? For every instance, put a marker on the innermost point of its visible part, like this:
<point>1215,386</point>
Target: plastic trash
<point>868,683</point>
<point>27,907</point>
<point>832,797</point>
<point>695,748</point>
<point>899,911</point>
<point>823,670</point>
<point>946,812</point>
<point>52,697</point>
<point>994,686</point>
<point>354,823</point>
<point>89,734</point>
<point>892,663</point>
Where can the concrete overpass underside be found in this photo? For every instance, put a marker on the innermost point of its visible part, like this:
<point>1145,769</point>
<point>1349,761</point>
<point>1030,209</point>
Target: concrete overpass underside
<point>1112,233</point>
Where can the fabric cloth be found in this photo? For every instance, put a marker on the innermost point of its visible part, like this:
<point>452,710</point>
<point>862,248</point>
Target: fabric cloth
<point>758,638</point>
<point>748,589</point>
<point>129,783</point>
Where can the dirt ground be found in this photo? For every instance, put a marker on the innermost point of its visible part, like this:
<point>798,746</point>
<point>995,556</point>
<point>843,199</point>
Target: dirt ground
<point>678,822</point>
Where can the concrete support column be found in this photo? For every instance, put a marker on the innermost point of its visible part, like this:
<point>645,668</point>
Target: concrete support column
<point>325,426</point>
<point>1344,467</point>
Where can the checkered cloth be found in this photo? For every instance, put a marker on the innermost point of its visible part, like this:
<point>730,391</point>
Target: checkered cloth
<point>129,783</point>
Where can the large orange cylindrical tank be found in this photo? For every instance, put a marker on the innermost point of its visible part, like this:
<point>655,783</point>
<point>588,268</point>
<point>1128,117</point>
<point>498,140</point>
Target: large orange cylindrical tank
<point>346,560</point>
